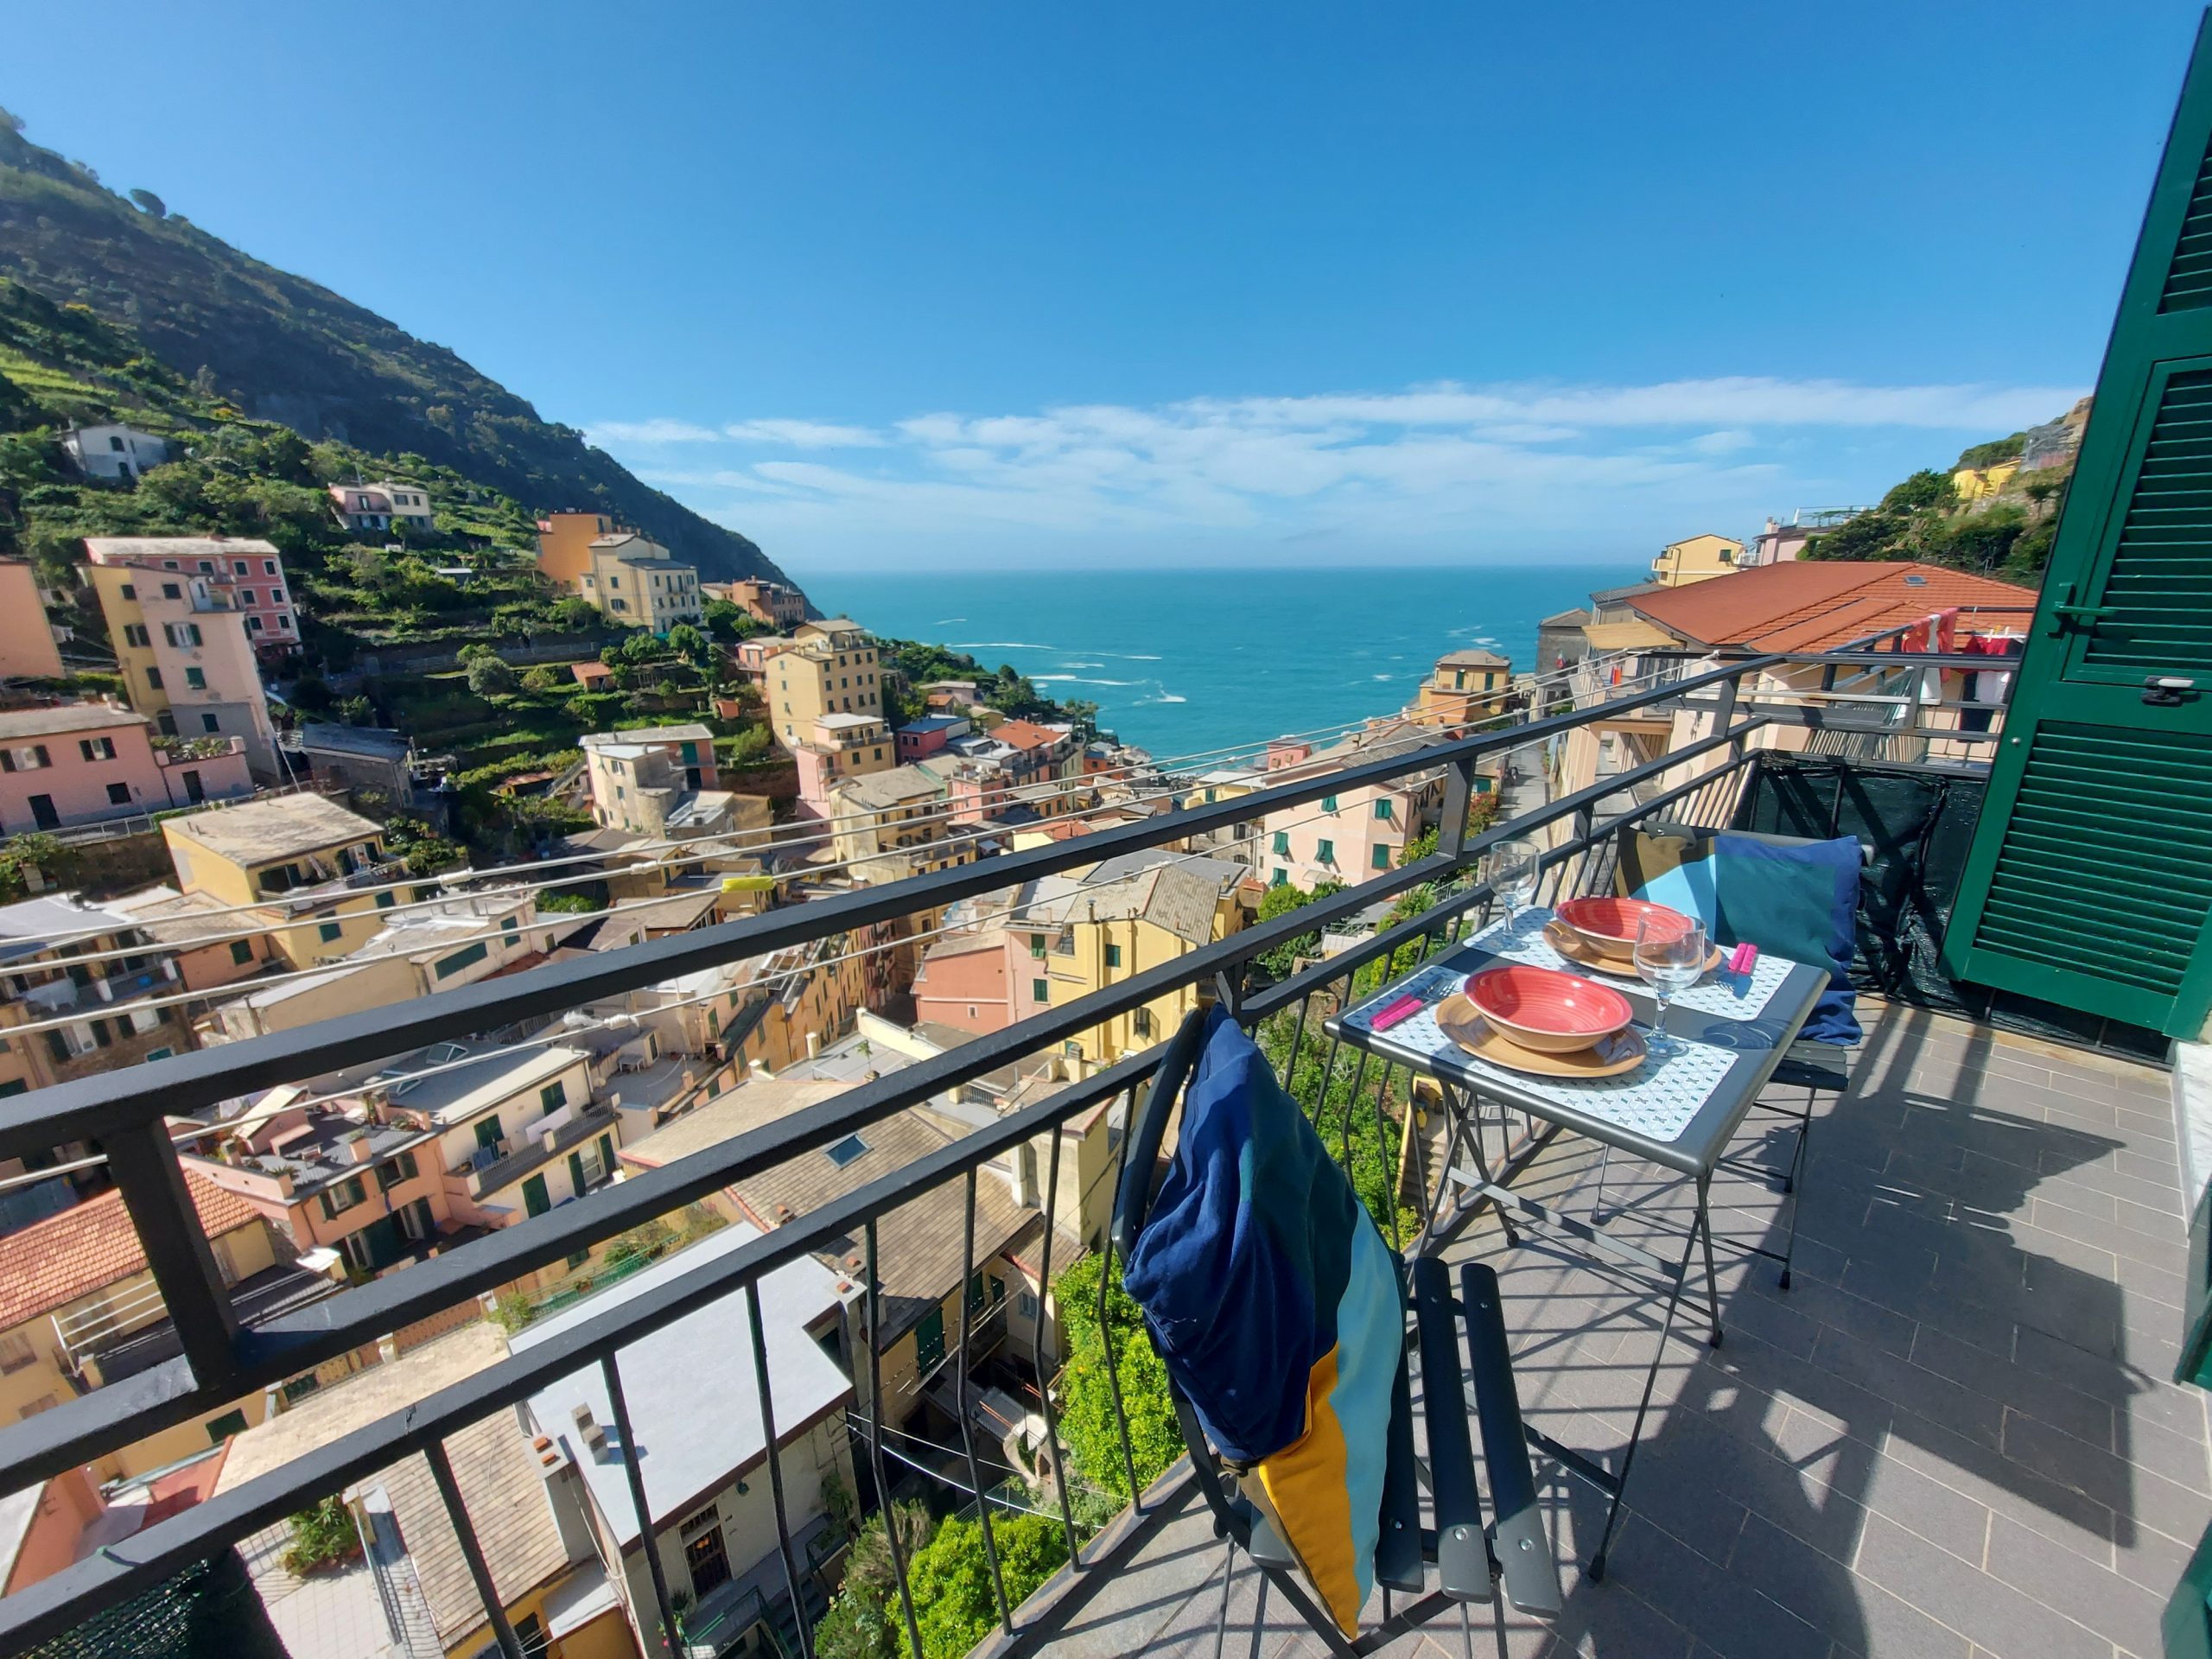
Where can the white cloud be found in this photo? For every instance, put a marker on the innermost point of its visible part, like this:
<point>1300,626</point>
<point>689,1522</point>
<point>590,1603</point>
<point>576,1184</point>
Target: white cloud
<point>804,435</point>
<point>607,433</point>
<point>1446,466</point>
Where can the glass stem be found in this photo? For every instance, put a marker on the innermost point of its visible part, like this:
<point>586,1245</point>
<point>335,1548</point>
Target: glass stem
<point>1659,1022</point>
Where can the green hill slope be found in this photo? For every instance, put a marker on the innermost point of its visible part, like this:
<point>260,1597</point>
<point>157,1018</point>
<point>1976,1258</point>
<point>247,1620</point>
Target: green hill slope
<point>283,349</point>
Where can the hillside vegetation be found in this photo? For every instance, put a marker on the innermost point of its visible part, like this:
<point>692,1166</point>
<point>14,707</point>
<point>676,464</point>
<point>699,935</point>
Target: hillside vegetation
<point>2007,534</point>
<point>280,348</point>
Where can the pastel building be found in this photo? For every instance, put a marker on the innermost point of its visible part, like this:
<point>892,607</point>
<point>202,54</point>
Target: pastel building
<point>253,568</point>
<point>633,579</point>
<point>831,668</point>
<point>29,649</point>
<point>367,508</point>
<point>112,451</point>
<point>564,539</point>
<point>1349,835</point>
<point>324,869</point>
<point>78,763</point>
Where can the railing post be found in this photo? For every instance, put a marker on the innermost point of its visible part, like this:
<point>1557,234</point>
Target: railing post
<point>1458,792</point>
<point>144,1163</point>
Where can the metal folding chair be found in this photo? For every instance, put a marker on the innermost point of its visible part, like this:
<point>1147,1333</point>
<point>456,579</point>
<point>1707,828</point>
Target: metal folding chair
<point>1449,1335</point>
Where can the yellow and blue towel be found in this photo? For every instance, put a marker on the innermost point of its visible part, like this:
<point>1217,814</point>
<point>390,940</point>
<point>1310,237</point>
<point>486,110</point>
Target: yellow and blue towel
<point>1275,1305</point>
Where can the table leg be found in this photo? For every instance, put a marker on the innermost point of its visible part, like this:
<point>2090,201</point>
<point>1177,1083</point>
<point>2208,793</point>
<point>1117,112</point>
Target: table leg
<point>1473,1107</point>
<point>1704,1230</point>
<point>1620,1482</point>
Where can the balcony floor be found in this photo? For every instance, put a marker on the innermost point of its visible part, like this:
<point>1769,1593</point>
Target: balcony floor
<point>1951,1439</point>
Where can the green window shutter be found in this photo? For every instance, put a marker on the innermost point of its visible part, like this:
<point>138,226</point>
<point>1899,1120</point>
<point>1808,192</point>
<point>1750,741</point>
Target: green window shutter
<point>1326,853</point>
<point>606,1152</point>
<point>577,1172</point>
<point>1282,843</point>
<point>1113,956</point>
<point>1381,856</point>
<point>1040,990</point>
<point>2090,881</point>
<point>487,1131</point>
<point>1383,810</point>
<point>1328,803</point>
<point>553,1096</point>
<point>534,1200</point>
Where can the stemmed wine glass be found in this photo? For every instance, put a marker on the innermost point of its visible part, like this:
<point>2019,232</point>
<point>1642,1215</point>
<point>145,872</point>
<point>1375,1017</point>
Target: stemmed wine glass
<point>1515,867</point>
<point>1669,963</point>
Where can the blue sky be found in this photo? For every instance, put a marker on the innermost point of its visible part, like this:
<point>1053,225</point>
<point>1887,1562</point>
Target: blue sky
<point>1279,282</point>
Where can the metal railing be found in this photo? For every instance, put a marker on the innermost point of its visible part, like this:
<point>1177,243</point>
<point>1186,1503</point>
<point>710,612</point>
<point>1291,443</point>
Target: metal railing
<point>128,1113</point>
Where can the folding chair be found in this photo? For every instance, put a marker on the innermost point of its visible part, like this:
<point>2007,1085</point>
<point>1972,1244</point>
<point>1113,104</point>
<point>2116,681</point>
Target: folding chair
<point>1815,1067</point>
<point>1450,1335</point>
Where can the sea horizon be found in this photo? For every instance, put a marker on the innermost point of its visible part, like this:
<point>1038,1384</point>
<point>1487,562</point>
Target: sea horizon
<point>1204,658</point>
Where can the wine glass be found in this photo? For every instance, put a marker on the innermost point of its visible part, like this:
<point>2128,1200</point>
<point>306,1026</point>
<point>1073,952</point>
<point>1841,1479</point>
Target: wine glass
<point>1515,867</point>
<point>1669,963</point>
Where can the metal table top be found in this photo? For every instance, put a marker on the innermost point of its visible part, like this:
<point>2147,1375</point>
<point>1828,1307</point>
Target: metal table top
<point>1752,1048</point>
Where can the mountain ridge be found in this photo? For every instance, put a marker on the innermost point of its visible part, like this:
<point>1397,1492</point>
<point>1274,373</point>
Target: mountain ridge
<point>286,349</point>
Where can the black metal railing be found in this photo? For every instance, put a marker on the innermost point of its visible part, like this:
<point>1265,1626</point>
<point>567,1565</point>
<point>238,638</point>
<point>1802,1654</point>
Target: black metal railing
<point>128,1113</point>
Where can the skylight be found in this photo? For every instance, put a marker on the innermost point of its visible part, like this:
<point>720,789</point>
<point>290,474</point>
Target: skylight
<point>845,1151</point>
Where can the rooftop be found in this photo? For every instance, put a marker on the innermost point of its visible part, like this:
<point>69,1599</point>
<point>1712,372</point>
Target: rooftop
<point>899,787</point>
<point>1473,658</point>
<point>455,1095</point>
<point>65,717</point>
<point>105,549</point>
<point>27,924</point>
<point>262,832</point>
<point>690,1386</point>
<point>374,741</point>
<point>1025,734</point>
<point>53,1263</point>
<point>691,733</point>
<point>1818,606</point>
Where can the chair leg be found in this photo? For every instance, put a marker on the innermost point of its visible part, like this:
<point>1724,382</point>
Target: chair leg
<point>1259,1618</point>
<point>1598,1206</point>
<point>1789,1187</point>
<point>1228,1579</point>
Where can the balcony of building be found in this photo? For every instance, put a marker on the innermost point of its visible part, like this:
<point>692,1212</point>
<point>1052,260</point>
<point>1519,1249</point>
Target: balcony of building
<point>1954,1432</point>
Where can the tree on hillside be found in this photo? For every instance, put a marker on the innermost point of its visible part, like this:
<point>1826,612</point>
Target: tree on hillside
<point>490,677</point>
<point>151,203</point>
<point>692,646</point>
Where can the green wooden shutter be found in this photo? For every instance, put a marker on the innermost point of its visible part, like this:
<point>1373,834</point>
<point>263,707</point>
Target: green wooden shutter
<point>2089,882</point>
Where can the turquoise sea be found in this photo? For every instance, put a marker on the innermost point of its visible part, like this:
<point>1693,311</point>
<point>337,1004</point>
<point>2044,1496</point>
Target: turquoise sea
<point>1183,661</point>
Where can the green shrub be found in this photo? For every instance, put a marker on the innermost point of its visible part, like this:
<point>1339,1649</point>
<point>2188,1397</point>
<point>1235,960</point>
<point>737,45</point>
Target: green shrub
<point>322,1536</point>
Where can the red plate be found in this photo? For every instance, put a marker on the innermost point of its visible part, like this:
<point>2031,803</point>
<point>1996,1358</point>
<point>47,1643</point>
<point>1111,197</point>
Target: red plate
<point>1550,1012</point>
<point>1612,924</point>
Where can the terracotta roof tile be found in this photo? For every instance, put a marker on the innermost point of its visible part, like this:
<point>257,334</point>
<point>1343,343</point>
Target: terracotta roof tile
<point>54,1261</point>
<point>1817,606</point>
<point>1025,735</point>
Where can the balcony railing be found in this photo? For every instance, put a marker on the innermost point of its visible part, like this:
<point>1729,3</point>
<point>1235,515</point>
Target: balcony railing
<point>128,1112</point>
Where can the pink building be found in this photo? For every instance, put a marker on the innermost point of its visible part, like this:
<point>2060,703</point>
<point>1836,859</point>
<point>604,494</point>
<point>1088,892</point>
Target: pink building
<point>253,571</point>
<point>928,735</point>
<point>77,763</point>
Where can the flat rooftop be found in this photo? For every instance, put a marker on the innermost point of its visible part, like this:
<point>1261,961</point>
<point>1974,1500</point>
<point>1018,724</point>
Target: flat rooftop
<point>262,832</point>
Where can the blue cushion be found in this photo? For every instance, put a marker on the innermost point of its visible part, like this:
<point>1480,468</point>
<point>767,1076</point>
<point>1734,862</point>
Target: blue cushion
<point>1789,897</point>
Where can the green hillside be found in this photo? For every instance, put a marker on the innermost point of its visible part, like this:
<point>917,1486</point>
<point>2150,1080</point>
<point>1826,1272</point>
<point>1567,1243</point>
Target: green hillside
<point>280,348</point>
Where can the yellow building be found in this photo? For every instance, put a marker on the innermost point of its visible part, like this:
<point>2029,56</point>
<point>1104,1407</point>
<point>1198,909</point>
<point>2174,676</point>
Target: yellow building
<point>308,856</point>
<point>1976,484</point>
<point>1132,913</point>
<point>1696,559</point>
<point>186,658</point>
<point>834,668</point>
<point>77,1302</point>
<point>1464,686</point>
<point>634,580</point>
<point>564,540</point>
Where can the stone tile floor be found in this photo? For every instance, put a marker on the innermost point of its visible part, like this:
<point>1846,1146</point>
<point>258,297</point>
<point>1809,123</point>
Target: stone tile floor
<point>1951,1439</point>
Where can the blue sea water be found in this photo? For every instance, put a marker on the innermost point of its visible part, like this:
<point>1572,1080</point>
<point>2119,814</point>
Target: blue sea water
<point>1183,661</point>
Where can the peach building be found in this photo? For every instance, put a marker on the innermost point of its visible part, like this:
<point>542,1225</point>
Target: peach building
<point>28,651</point>
<point>564,539</point>
<point>77,763</point>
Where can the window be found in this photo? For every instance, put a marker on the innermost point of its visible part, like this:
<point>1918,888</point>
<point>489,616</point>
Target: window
<point>1324,852</point>
<point>1282,843</point>
<point>118,794</point>
<point>331,933</point>
<point>1381,856</point>
<point>339,1199</point>
<point>239,566</point>
<point>553,1095</point>
<point>393,1171</point>
<point>468,956</point>
<point>134,634</point>
<point>1328,803</point>
<point>487,1131</point>
<point>1141,1022</point>
<point>535,1199</point>
<point>221,1428</point>
<point>154,678</point>
<point>1279,879</point>
<point>195,679</point>
<point>1113,956</point>
<point>269,567</point>
<point>1382,811</point>
<point>1040,991</point>
<point>846,1152</point>
<point>253,625</point>
<point>209,722</point>
<point>116,444</point>
<point>241,951</point>
<point>171,590</point>
<point>282,620</point>
<point>383,900</point>
<point>97,748</point>
<point>27,758</point>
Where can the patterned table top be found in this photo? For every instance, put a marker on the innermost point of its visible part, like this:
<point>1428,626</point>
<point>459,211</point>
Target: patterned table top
<point>1680,1107</point>
<point>1732,996</point>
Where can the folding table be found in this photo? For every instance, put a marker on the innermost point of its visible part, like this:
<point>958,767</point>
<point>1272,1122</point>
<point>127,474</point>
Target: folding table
<point>1679,1111</point>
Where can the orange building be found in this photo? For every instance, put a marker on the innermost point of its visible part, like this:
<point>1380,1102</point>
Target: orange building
<point>564,539</point>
